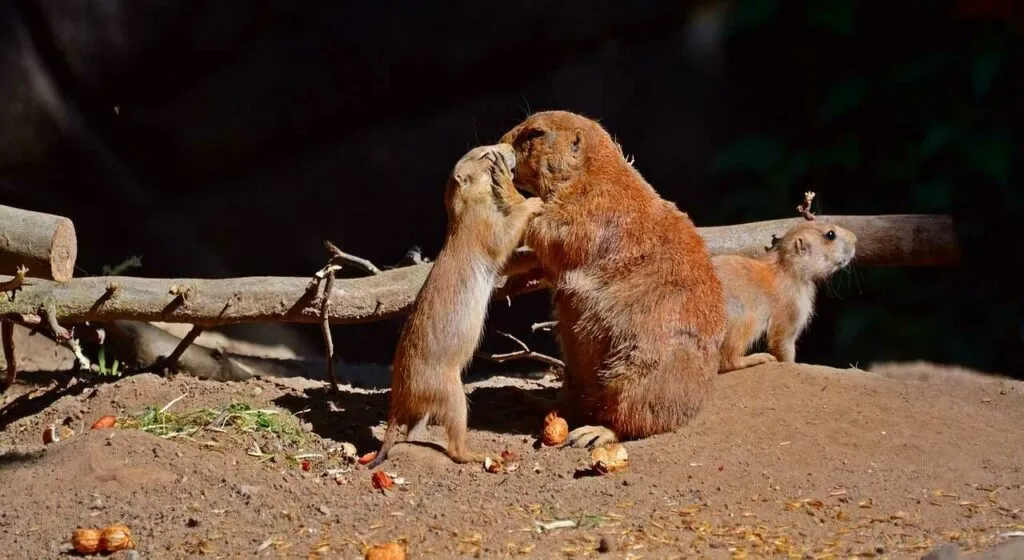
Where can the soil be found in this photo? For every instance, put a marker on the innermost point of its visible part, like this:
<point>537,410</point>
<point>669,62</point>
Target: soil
<point>785,460</point>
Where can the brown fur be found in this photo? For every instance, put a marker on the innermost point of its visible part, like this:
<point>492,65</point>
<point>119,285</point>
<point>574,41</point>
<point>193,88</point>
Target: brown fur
<point>774,294</point>
<point>640,311</point>
<point>486,221</point>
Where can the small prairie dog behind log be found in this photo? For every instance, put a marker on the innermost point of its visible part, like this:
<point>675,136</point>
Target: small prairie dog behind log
<point>487,218</point>
<point>775,294</point>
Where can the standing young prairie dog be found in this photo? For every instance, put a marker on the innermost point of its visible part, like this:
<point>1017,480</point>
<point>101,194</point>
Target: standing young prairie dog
<point>486,221</point>
<point>774,294</point>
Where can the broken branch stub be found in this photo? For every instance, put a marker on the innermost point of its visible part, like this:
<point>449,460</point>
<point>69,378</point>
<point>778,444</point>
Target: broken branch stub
<point>898,240</point>
<point>44,243</point>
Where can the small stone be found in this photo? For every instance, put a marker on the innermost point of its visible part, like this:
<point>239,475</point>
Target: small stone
<point>605,546</point>
<point>96,504</point>
<point>133,555</point>
<point>324,510</point>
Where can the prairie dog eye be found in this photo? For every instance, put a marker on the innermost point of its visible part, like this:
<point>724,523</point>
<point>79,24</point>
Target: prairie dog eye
<point>830,235</point>
<point>532,134</point>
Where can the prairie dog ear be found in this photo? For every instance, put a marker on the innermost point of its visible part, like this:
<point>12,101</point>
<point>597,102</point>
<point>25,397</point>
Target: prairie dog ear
<point>799,245</point>
<point>577,140</point>
<point>460,179</point>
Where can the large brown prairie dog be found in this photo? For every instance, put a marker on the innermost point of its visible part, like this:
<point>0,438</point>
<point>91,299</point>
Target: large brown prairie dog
<point>774,294</point>
<point>486,221</point>
<point>640,311</point>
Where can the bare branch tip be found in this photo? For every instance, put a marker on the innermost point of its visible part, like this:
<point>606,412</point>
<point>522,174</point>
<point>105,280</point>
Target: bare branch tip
<point>339,256</point>
<point>15,283</point>
<point>543,326</point>
<point>805,208</point>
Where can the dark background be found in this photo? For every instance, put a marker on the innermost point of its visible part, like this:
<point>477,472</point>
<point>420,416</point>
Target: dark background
<point>224,139</point>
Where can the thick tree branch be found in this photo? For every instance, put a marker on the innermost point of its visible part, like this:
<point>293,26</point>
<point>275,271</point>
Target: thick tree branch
<point>900,240</point>
<point>44,243</point>
<point>886,240</point>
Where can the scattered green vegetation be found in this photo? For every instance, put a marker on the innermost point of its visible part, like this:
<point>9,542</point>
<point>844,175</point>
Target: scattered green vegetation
<point>101,363</point>
<point>269,427</point>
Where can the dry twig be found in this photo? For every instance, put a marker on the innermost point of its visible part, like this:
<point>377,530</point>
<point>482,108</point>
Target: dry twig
<point>544,326</point>
<point>805,208</point>
<point>48,316</point>
<point>341,257</point>
<point>14,284</point>
<point>524,353</point>
<point>7,332</point>
<point>169,363</point>
<point>326,275</point>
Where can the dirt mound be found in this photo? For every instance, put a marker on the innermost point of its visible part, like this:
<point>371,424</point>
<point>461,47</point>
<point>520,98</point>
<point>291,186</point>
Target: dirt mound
<point>786,459</point>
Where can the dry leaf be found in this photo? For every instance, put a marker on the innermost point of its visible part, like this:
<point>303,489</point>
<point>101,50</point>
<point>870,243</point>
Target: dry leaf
<point>690,510</point>
<point>386,551</point>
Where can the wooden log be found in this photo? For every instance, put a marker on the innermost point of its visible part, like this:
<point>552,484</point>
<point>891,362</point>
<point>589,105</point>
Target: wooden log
<point>887,240</point>
<point>44,243</point>
<point>901,240</point>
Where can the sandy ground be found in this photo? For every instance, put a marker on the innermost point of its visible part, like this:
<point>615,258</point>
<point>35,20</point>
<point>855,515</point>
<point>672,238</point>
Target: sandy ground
<point>786,460</point>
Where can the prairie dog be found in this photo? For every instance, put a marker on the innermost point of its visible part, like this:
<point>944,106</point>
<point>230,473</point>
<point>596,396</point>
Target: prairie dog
<point>486,221</point>
<point>774,294</point>
<point>640,311</point>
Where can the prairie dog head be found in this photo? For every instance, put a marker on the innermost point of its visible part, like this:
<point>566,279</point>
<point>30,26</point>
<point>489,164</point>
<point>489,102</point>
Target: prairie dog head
<point>477,175</point>
<point>815,250</point>
<point>553,148</point>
